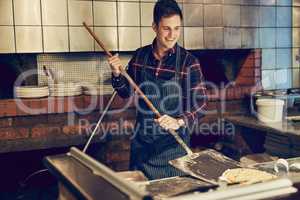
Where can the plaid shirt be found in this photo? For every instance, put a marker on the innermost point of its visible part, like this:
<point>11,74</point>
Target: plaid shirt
<point>191,78</point>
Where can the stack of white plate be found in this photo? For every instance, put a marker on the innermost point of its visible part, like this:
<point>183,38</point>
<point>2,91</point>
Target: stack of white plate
<point>97,89</point>
<point>32,91</point>
<point>65,89</point>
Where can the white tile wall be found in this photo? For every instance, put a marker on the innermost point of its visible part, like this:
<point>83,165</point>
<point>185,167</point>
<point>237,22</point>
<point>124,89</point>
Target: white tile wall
<point>267,17</point>
<point>283,58</point>
<point>7,45</point>
<point>268,80</point>
<point>6,12</point>
<point>250,16</point>
<point>126,18</point>
<point>27,12</point>
<point>284,2</point>
<point>213,15</point>
<point>108,36</point>
<point>283,37</point>
<point>268,2</point>
<point>267,37</point>
<point>232,38</point>
<point>193,14</point>
<point>213,38</point>
<point>268,59</point>
<point>231,15</point>
<point>54,12</point>
<point>131,34</point>
<point>55,39</point>
<point>146,14</point>
<point>282,78</point>
<point>80,11</point>
<point>193,37</point>
<point>284,17</point>
<point>80,40</point>
<point>28,39</point>
<point>148,35</point>
<point>105,13</point>
<point>250,37</point>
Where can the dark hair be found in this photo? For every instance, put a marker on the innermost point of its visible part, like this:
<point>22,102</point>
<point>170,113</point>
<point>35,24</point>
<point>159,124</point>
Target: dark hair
<point>165,8</point>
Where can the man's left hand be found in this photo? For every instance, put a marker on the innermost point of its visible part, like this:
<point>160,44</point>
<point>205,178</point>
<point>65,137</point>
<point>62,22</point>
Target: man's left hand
<point>167,122</point>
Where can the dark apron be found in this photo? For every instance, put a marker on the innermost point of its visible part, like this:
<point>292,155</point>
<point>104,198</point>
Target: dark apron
<point>152,147</point>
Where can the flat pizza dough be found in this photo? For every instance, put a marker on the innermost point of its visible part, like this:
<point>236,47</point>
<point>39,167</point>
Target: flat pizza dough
<point>246,176</point>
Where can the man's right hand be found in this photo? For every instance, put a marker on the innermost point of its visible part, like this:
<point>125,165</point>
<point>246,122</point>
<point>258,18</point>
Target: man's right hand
<point>115,64</point>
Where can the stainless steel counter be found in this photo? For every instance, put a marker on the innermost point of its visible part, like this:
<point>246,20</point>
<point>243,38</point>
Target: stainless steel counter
<point>286,128</point>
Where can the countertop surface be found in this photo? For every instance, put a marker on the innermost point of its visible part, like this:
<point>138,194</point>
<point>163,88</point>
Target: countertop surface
<point>285,127</point>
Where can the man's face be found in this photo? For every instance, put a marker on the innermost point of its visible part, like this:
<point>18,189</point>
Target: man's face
<point>167,31</point>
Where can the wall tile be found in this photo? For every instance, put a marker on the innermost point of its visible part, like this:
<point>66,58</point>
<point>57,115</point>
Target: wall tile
<point>283,78</point>
<point>213,15</point>
<point>54,12</point>
<point>129,38</point>
<point>56,39</point>
<point>231,15</point>
<point>80,40</point>
<point>232,2</point>
<point>284,17</point>
<point>268,59</point>
<point>267,37</point>
<point>283,37</point>
<point>109,37</point>
<point>213,1</point>
<point>250,2</point>
<point>268,2</point>
<point>284,2</point>
<point>283,58</point>
<point>6,12</point>
<point>7,39</point>
<point>193,37</point>
<point>250,16</point>
<point>250,37</point>
<point>213,38</point>
<point>105,13</point>
<point>24,37</point>
<point>267,17</point>
<point>190,1</point>
<point>147,14</point>
<point>27,12</point>
<point>148,35</point>
<point>126,18</point>
<point>80,11</point>
<point>268,79</point>
<point>232,38</point>
<point>193,14</point>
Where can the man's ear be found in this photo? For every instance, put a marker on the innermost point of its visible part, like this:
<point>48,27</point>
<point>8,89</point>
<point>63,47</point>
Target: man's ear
<point>154,27</point>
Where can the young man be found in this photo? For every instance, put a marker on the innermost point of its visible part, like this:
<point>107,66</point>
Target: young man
<point>172,79</point>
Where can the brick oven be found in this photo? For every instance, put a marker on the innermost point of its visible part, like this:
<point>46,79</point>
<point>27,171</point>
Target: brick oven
<point>233,75</point>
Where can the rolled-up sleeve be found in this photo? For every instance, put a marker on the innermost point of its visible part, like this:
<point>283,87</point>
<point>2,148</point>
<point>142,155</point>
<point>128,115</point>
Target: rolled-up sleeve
<point>194,93</point>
